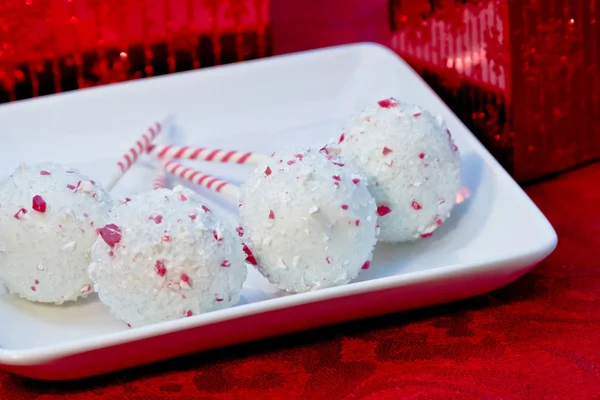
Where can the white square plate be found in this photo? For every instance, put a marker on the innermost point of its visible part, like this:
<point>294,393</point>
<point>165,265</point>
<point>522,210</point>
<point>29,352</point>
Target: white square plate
<point>495,235</point>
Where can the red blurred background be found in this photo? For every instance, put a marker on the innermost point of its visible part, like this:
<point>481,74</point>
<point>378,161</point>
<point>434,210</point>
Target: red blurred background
<point>522,75</point>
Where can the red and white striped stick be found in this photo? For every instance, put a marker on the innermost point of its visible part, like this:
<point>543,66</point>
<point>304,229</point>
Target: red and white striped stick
<point>141,146</point>
<point>159,181</point>
<point>200,153</point>
<point>199,178</point>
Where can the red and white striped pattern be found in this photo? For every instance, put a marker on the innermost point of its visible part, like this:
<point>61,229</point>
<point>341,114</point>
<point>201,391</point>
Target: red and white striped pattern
<point>199,178</point>
<point>200,153</point>
<point>159,181</point>
<point>141,146</point>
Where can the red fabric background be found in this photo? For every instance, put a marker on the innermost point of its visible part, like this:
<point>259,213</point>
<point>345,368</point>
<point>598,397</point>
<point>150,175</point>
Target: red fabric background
<point>535,339</point>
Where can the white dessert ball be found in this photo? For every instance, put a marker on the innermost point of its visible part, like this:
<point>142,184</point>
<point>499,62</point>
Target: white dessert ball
<point>412,164</point>
<point>48,219</point>
<point>308,220</point>
<point>164,255</point>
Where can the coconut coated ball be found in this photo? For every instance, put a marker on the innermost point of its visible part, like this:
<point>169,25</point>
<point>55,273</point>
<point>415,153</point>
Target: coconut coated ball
<point>412,164</point>
<point>48,219</point>
<point>164,255</point>
<point>308,220</point>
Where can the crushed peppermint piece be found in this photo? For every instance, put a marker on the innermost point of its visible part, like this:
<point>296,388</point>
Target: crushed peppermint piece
<point>388,103</point>
<point>160,268</point>
<point>192,216</point>
<point>38,204</point>
<point>240,230</point>
<point>225,263</point>
<point>422,156</point>
<point>219,299</point>
<point>189,313</point>
<point>337,178</point>
<point>206,209</point>
<point>186,279</point>
<point>383,210</point>
<point>416,205</point>
<point>299,156</point>
<point>417,115</point>
<point>356,181</point>
<point>249,256</point>
<point>45,173</point>
<point>366,265</point>
<point>342,137</point>
<point>426,235</point>
<point>69,246</point>
<point>156,218</point>
<point>328,259</point>
<point>281,264</point>
<point>290,162</point>
<point>271,214</point>
<point>386,150</point>
<point>339,164</point>
<point>86,288</point>
<point>344,206</point>
<point>22,213</point>
<point>357,222</point>
<point>217,235</point>
<point>268,171</point>
<point>111,234</point>
<point>437,220</point>
<point>166,238</point>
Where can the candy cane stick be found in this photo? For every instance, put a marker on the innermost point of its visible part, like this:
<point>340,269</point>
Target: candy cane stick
<point>141,146</point>
<point>199,178</point>
<point>199,153</point>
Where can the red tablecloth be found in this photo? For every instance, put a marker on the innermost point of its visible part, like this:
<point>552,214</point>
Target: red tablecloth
<point>538,338</point>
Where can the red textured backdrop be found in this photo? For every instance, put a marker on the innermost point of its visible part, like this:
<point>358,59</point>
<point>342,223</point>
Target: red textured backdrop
<point>535,339</point>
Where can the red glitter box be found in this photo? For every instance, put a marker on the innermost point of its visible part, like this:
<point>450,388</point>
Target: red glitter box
<point>522,75</point>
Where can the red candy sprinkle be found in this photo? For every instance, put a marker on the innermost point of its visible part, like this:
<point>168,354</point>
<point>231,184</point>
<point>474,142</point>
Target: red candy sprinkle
<point>422,156</point>
<point>166,238</point>
<point>240,230</point>
<point>216,236</point>
<point>438,221</point>
<point>337,178</point>
<point>21,211</point>
<point>342,137</point>
<point>111,234</point>
<point>70,187</point>
<point>127,199</point>
<point>339,164</point>
<point>271,214</point>
<point>206,209</point>
<point>249,256</point>
<point>86,215</point>
<point>225,263</point>
<point>185,278</point>
<point>357,222</point>
<point>454,148</point>
<point>189,313</point>
<point>156,218</point>
<point>387,103</point>
<point>328,259</point>
<point>291,162</point>
<point>324,149</point>
<point>218,299</point>
<point>417,115</point>
<point>416,205</point>
<point>366,265</point>
<point>386,151</point>
<point>160,268</point>
<point>355,181</point>
<point>33,288</point>
<point>344,206</point>
<point>383,210</point>
<point>268,171</point>
<point>183,198</point>
<point>427,235</point>
<point>45,173</point>
<point>37,282</point>
<point>193,217</point>
<point>299,156</point>
<point>111,253</point>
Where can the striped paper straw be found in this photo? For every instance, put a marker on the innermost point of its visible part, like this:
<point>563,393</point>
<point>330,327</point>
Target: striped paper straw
<point>200,153</point>
<point>141,146</point>
<point>199,178</point>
